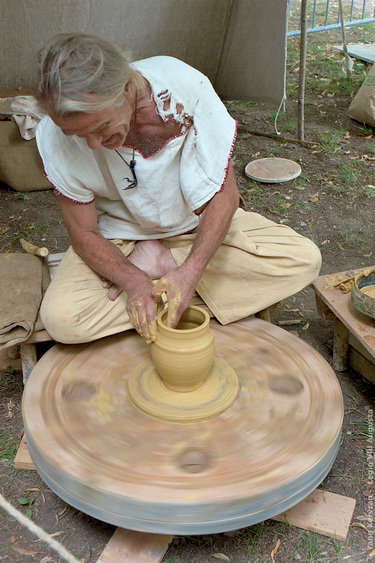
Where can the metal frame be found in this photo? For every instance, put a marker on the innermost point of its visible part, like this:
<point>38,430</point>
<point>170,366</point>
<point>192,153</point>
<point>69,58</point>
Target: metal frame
<point>314,27</point>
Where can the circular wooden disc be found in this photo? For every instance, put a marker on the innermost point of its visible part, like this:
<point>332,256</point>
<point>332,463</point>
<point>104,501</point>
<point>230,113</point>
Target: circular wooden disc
<point>272,170</point>
<point>264,454</point>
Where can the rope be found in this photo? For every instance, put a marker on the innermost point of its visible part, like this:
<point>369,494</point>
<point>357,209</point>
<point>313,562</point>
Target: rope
<point>37,530</point>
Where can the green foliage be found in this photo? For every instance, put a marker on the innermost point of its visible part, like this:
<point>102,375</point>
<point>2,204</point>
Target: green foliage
<point>8,450</point>
<point>330,140</point>
<point>27,502</point>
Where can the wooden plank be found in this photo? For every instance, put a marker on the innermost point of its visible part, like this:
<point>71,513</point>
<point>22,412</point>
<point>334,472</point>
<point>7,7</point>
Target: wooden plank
<point>358,347</point>
<point>128,546</point>
<point>38,336</point>
<point>23,459</point>
<point>322,512</point>
<point>362,326</point>
<point>362,365</point>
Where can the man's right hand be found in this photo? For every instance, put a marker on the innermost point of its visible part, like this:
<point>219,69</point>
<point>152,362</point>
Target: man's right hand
<point>142,305</point>
<point>142,308</point>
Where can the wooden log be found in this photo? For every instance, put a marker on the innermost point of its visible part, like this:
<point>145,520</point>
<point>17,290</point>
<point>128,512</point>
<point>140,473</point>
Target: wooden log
<point>280,138</point>
<point>32,249</point>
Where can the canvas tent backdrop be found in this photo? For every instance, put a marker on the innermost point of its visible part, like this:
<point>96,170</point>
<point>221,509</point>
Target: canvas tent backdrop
<point>238,44</point>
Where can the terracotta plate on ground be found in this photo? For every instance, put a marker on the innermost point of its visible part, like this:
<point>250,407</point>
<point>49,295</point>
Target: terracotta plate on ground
<point>265,453</point>
<point>272,170</point>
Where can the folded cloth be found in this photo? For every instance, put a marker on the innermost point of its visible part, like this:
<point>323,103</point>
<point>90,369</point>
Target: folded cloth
<point>25,111</point>
<point>21,291</point>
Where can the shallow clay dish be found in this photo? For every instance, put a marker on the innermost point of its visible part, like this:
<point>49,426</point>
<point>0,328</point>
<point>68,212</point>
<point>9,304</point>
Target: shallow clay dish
<point>363,293</point>
<point>272,170</point>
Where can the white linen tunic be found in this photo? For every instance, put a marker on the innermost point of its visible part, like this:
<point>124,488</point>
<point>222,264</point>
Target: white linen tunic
<point>173,182</point>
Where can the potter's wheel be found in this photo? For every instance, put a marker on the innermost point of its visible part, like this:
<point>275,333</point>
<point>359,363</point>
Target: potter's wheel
<point>262,455</point>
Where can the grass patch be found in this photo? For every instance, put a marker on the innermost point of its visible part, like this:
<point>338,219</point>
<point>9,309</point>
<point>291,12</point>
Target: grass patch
<point>21,195</point>
<point>325,76</point>
<point>369,147</point>
<point>316,548</point>
<point>31,231</point>
<point>351,235</point>
<point>8,450</point>
<point>348,173</point>
<point>330,141</point>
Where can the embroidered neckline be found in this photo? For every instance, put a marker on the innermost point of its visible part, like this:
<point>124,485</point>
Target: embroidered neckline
<point>159,149</point>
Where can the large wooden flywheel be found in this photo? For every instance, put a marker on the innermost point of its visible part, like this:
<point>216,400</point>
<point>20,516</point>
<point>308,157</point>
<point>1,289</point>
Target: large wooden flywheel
<point>267,451</point>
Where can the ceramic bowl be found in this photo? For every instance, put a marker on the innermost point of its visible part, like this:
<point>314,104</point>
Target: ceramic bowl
<point>364,302</point>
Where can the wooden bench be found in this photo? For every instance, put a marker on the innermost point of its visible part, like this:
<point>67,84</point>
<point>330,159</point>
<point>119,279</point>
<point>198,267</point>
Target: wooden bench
<point>354,332</point>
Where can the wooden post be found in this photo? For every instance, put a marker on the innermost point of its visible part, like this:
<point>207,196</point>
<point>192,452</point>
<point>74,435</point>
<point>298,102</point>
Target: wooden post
<point>347,64</point>
<point>340,346</point>
<point>28,358</point>
<point>302,69</point>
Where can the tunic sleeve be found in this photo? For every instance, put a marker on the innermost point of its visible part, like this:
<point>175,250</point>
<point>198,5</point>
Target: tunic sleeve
<point>64,162</point>
<point>208,147</point>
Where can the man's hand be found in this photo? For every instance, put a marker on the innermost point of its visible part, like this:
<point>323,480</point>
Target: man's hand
<point>178,287</point>
<point>177,290</point>
<point>142,310</point>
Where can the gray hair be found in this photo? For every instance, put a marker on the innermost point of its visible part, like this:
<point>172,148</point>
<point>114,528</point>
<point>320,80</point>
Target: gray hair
<point>74,65</point>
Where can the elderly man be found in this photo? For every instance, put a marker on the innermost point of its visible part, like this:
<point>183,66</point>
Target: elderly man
<point>140,155</point>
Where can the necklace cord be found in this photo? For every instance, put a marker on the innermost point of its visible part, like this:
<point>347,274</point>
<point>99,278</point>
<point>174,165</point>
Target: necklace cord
<point>134,182</point>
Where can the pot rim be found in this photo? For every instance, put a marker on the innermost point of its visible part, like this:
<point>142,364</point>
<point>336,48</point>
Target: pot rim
<point>184,330</point>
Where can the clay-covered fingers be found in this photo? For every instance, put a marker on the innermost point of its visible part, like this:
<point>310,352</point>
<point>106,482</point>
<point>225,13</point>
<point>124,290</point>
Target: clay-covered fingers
<point>142,315</point>
<point>173,298</point>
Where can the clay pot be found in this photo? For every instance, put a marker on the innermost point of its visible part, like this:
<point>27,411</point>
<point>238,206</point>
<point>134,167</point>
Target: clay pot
<point>183,355</point>
<point>363,293</point>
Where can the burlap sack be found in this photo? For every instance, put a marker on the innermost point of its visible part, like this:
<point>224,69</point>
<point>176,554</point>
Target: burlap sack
<point>21,167</point>
<point>362,107</point>
<point>23,280</point>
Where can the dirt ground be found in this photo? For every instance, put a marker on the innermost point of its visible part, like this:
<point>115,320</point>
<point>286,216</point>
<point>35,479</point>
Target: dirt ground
<point>333,203</point>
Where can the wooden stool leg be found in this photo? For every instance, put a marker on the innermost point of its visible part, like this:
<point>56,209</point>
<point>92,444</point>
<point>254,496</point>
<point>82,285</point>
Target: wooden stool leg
<point>340,346</point>
<point>264,315</point>
<point>323,309</point>
<point>14,352</point>
<point>28,359</point>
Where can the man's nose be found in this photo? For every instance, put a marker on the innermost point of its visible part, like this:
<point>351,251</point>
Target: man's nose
<point>94,141</point>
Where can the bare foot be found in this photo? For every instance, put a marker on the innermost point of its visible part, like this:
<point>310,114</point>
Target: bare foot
<point>153,258</point>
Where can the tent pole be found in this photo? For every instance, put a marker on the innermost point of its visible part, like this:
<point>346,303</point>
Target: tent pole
<point>302,70</point>
<point>348,63</point>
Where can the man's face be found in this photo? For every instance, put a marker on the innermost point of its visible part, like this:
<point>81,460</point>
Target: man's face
<point>108,128</point>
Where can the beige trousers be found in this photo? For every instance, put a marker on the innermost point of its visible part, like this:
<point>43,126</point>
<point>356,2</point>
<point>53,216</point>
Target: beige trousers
<point>258,264</point>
